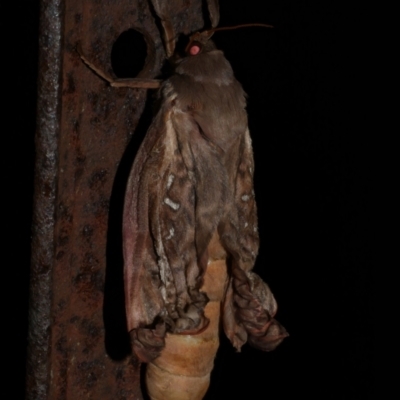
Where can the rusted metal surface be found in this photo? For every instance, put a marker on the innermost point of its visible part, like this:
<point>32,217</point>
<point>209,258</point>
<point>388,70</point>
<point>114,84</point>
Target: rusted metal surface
<point>78,344</point>
<point>48,126</point>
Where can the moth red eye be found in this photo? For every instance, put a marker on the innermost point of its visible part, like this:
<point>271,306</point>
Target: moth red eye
<point>194,50</point>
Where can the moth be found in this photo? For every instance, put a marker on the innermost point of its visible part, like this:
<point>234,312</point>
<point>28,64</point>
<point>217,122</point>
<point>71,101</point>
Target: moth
<point>192,178</point>
<point>190,202</point>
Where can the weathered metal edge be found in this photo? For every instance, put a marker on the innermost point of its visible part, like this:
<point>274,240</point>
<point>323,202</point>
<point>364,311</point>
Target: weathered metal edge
<point>42,258</point>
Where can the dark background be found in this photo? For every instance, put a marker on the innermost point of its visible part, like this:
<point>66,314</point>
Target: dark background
<point>311,186</point>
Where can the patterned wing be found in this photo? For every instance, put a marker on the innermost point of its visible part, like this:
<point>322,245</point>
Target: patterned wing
<point>249,306</point>
<point>169,216</point>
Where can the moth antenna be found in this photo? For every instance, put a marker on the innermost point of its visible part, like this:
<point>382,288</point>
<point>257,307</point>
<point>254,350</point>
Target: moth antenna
<point>228,28</point>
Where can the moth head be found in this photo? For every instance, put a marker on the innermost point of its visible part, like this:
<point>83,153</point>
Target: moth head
<point>199,42</point>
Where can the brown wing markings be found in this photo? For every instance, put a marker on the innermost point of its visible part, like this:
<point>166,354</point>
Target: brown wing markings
<point>249,305</point>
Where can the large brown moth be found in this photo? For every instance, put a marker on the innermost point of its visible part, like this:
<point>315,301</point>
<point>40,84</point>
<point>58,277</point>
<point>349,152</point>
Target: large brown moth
<point>190,212</point>
<point>192,180</point>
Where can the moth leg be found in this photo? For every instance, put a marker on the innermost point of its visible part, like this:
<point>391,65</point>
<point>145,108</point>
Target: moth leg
<point>213,9</point>
<point>137,83</point>
<point>130,82</point>
<point>162,9</point>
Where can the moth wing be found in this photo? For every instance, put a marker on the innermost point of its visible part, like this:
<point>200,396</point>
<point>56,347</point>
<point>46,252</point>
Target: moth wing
<point>249,306</point>
<point>161,269</point>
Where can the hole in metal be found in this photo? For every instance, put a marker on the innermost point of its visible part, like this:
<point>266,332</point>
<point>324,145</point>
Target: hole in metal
<point>128,54</point>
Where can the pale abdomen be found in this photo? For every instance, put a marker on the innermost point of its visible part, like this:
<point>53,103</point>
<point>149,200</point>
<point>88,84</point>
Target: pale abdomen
<point>182,371</point>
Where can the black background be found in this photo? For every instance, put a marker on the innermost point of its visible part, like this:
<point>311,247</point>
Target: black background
<point>311,187</point>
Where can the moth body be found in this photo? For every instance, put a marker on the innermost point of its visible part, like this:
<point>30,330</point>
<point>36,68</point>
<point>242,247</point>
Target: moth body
<point>192,182</point>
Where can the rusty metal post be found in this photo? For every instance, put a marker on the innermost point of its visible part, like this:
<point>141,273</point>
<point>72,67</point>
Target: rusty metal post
<point>78,344</point>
